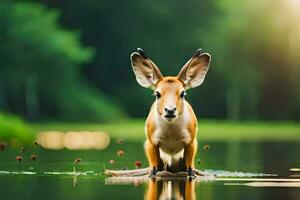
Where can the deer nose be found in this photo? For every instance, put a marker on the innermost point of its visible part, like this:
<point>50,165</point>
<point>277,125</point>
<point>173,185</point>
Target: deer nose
<point>170,111</point>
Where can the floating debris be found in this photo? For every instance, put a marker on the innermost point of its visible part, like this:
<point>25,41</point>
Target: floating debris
<point>138,164</point>
<point>3,145</point>
<point>77,160</point>
<point>295,169</point>
<point>33,157</point>
<point>111,161</point>
<point>235,174</point>
<point>120,141</point>
<point>19,158</point>
<point>206,147</point>
<point>289,183</point>
<point>120,153</point>
<point>199,161</point>
<point>22,149</point>
<point>16,173</point>
<point>69,173</point>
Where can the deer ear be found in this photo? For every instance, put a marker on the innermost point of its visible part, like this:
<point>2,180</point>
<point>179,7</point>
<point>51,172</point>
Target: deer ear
<point>193,72</point>
<point>146,72</point>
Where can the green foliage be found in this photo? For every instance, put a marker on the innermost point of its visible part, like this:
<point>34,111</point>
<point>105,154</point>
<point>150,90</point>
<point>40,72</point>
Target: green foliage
<point>87,106</point>
<point>40,67</point>
<point>254,72</point>
<point>256,56</point>
<point>14,129</point>
<point>234,60</point>
<point>168,31</point>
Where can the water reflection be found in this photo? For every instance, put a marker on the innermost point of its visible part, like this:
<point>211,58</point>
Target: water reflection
<point>163,189</point>
<point>74,180</point>
<point>54,175</point>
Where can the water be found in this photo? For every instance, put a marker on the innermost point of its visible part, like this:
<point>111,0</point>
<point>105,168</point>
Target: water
<point>245,170</point>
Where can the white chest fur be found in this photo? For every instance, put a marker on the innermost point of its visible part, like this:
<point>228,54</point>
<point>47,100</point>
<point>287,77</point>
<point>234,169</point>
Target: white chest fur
<point>172,137</point>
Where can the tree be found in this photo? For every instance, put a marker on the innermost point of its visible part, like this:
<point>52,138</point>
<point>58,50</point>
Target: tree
<point>254,70</point>
<point>252,41</point>
<point>40,67</point>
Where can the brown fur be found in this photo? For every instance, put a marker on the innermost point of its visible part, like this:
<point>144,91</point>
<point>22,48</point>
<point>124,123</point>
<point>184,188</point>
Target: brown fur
<point>170,90</point>
<point>171,126</point>
<point>179,190</point>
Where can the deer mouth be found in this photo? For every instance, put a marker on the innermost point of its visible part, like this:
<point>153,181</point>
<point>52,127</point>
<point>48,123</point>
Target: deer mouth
<point>170,116</point>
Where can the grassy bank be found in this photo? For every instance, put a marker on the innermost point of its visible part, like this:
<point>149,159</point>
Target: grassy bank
<point>14,129</point>
<point>208,130</point>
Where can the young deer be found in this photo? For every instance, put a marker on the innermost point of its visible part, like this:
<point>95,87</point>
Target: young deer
<point>171,125</point>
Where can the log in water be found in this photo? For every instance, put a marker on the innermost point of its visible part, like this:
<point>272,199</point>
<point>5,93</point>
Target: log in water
<point>142,175</point>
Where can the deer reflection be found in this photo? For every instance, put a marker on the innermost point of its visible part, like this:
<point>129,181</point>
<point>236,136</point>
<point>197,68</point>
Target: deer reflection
<point>179,189</point>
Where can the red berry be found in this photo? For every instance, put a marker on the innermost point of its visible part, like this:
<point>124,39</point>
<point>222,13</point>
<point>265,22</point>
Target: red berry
<point>138,164</point>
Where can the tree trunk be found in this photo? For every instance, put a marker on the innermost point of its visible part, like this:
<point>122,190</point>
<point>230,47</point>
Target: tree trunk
<point>31,97</point>
<point>233,104</point>
<point>3,105</point>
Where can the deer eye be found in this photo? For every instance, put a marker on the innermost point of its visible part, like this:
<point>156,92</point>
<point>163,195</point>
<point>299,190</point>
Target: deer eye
<point>157,94</point>
<point>182,94</point>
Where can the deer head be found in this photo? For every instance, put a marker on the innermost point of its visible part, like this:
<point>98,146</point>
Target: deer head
<point>170,91</point>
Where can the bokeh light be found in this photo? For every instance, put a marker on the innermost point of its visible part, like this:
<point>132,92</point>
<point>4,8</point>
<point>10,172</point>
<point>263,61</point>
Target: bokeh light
<point>82,140</point>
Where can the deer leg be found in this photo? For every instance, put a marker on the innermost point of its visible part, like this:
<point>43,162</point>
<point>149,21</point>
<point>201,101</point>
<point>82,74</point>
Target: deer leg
<point>189,156</point>
<point>155,162</point>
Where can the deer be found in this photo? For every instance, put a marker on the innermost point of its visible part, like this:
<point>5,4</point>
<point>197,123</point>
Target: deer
<point>171,126</point>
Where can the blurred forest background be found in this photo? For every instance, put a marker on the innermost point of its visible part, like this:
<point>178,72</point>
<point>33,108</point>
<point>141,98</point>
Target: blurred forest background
<point>68,60</point>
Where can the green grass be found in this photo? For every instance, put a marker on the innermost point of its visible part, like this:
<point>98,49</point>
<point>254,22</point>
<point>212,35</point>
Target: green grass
<point>208,130</point>
<point>14,129</point>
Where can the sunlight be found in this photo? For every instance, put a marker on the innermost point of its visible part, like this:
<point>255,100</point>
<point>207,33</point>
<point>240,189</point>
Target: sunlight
<point>292,9</point>
<point>72,140</point>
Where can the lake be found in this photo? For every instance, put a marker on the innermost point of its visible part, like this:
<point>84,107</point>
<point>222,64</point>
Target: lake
<point>245,170</point>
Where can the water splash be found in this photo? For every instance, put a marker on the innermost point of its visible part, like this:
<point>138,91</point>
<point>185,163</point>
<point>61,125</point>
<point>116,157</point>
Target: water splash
<point>207,172</point>
<point>267,183</point>
<point>16,173</point>
<point>71,173</point>
<point>236,174</point>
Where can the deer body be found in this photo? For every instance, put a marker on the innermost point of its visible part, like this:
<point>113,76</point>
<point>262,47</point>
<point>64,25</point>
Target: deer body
<point>171,126</point>
<point>171,138</point>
